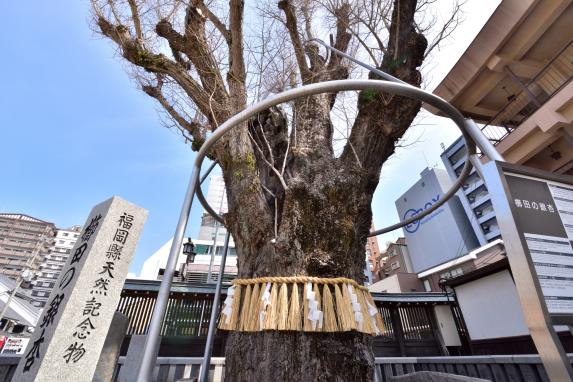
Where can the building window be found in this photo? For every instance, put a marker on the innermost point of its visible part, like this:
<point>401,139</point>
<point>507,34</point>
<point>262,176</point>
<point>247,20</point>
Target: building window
<point>395,265</point>
<point>65,234</point>
<point>427,286</point>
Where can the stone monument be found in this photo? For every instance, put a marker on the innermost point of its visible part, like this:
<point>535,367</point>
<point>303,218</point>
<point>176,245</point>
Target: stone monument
<point>70,335</point>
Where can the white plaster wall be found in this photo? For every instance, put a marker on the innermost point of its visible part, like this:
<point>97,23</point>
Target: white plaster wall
<point>389,285</point>
<point>491,307</point>
<point>447,325</point>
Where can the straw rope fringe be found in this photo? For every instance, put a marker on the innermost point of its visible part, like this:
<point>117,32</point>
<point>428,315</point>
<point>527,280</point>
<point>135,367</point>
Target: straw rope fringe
<point>276,303</point>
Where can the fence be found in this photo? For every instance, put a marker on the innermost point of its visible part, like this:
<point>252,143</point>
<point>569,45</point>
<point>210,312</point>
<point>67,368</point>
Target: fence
<point>526,368</point>
<point>523,368</point>
<point>410,328</point>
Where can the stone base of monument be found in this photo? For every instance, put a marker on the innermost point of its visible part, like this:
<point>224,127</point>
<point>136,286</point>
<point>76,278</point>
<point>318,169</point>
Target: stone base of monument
<point>111,348</point>
<point>433,376</point>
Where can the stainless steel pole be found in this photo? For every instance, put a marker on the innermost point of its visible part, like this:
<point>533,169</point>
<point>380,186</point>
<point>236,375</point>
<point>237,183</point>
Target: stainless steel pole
<point>378,72</point>
<point>204,373</point>
<point>153,335</point>
<point>482,142</point>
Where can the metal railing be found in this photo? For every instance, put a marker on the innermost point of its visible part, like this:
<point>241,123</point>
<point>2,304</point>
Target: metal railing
<point>557,73</point>
<point>526,368</point>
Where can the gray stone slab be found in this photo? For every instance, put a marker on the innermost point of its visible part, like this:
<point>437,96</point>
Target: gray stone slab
<point>432,376</point>
<point>70,335</point>
<point>111,348</point>
<point>130,368</point>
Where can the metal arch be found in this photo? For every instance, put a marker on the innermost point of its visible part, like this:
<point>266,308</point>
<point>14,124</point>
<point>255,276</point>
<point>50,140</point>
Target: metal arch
<point>151,345</point>
<point>395,87</point>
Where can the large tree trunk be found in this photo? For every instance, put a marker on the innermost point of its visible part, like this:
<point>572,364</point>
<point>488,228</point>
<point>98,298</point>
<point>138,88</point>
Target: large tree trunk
<point>292,356</point>
<point>323,220</point>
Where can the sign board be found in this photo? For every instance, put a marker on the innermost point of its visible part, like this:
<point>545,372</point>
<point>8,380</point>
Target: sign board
<point>15,345</point>
<point>534,211</point>
<point>70,334</point>
<point>543,211</point>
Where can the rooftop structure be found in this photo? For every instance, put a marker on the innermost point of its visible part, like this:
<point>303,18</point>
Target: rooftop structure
<point>515,78</point>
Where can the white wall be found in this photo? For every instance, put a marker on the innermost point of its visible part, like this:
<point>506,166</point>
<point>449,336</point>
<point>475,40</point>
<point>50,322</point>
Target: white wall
<point>389,285</point>
<point>491,307</point>
<point>447,325</point>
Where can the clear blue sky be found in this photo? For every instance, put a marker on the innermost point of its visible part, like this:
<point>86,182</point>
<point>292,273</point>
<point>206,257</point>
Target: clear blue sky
<point>75,130</point>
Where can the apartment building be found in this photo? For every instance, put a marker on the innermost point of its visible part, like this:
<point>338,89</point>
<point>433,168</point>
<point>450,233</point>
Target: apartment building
<point>372,256</point>
<point>53,263</point>
<point>473,195</point>
<point>395,273</point>
<point>24,242</point>
<point>217,199</point>
<point>395,259</point>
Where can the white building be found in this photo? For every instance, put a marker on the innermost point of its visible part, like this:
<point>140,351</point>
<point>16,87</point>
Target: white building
<point>50,268</point>
<point>197,272</point>
<point>217,199</point>
<point>205,245</point>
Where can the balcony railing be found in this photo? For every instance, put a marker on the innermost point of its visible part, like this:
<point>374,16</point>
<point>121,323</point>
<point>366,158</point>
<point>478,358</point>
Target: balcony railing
<point>553,77</point>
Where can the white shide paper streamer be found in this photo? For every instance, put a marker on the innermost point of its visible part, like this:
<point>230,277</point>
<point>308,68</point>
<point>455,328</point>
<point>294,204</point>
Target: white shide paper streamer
<point>228,308</point>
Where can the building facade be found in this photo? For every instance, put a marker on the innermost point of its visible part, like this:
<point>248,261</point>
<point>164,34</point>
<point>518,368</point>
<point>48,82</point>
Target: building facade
<point>429,244</point>
<point>395,259</point>
<point>198,271</point>
<point>395,273</point>
<point>372,256</point>
<point>433,278</point>
<point>53,263</point>
<point>217,199</point>
<point>24,242</point>
<point>473,195</point>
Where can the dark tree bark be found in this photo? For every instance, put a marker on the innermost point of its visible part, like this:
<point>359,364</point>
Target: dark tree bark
<point>294,207</point>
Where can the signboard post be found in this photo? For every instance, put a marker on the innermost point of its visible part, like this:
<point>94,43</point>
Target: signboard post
<point>70,335</point>
<point>534,210</point>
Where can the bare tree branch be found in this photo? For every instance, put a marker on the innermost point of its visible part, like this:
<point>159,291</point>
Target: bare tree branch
<point>196,130</point>
<point>136,19</point>
<point>299,51</point>
<point>214,19</point>
<point>134,52</point>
